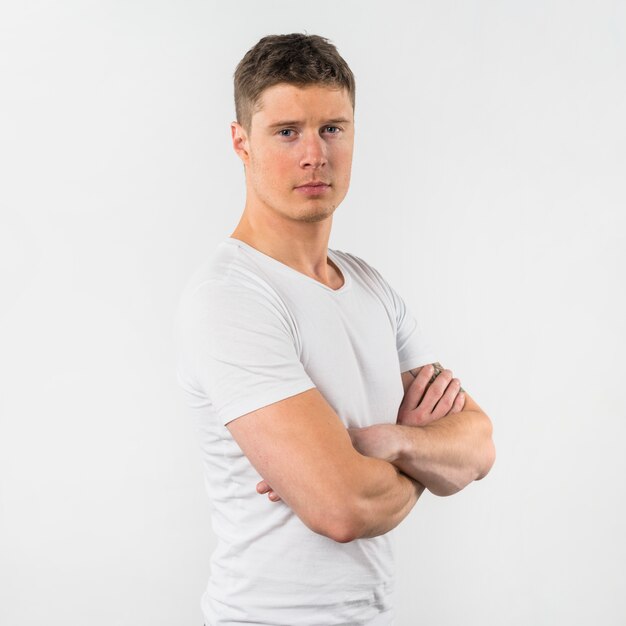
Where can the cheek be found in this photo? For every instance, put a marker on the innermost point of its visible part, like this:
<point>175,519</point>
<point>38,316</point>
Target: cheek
<point>274,163</point>
<point>342,152</point>
<point>343,161</point>
<point>272,172</point>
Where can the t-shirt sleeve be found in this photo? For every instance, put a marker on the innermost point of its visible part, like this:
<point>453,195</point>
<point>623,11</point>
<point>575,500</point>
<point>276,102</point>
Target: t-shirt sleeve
<point>414,349</point>
<point>245,350</point>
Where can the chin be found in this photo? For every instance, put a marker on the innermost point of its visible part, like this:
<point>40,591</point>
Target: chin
<point>318,214</point>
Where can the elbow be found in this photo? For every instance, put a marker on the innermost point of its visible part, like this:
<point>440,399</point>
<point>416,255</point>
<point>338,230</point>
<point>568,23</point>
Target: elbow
<point>488,452</point>
<point>481,469</point>
<point>345,535</point>
<point>339,532</point>
<point>449,488</point>
<point>443,493</point>
<point>349,523</point>
<point>340,525</point>
<point>488,459</point>
<point>485,461</point>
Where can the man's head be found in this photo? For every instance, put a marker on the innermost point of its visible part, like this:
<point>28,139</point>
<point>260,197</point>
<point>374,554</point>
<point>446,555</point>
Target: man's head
<point>294,97</point>
<point>295,59</point>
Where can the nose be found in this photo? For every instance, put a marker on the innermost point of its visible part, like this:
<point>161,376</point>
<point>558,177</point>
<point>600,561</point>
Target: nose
<point>313,152</point>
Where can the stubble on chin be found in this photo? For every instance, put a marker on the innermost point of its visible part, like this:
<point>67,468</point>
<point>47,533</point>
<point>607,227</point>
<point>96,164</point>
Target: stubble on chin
<point>319,215</point>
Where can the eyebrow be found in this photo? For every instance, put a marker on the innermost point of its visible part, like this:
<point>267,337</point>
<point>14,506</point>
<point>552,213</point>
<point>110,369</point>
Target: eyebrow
<point>340,120</point>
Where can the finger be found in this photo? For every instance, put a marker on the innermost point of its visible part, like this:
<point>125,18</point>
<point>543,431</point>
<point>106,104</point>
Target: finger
<point>438,369</point>
<point>262,487</point>
<point>459,403</point>
<point>436,390</point>
<point>273,496</point>
<point>443,407</point>
<point>416,389</point>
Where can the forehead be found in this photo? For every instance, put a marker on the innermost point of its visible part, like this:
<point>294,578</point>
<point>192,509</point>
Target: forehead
<point>310,103</point>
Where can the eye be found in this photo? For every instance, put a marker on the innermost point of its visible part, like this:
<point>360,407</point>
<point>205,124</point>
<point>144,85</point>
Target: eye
<point>335,128</point>
<point>285,130</point>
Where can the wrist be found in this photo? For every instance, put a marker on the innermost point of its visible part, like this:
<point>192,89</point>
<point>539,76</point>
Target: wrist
<point>396,442</point>
<point>408,441</point>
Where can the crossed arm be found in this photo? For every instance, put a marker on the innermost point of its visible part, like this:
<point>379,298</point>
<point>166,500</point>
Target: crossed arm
<point>441,437</point>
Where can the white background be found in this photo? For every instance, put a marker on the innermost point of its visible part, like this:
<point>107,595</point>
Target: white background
<point>489,189</point>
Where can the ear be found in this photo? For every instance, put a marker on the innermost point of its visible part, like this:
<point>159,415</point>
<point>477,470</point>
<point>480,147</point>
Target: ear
<point>240,141</point>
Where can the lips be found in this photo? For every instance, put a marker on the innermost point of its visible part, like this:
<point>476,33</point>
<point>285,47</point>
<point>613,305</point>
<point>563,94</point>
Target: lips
<point>314,188</point>
<point>316,183</point>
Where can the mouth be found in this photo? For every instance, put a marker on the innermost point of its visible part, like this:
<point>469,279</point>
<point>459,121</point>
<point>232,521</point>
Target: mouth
<point>313,188</point>
<point>315,183</point>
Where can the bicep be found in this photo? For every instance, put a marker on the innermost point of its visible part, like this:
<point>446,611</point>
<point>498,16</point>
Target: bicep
<point>302,449</point>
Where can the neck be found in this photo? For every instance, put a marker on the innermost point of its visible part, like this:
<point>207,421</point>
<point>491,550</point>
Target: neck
<point>300,245</point>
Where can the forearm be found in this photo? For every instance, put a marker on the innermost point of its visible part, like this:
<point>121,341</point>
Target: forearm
<point>384,497</point>
<point>448,454</point>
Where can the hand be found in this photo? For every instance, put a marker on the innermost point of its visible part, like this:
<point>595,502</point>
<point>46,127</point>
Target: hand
<point>380,441</point>
<point>263,487</point>
<point>432,395</point>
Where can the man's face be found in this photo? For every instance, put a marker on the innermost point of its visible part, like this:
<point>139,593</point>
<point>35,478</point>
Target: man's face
<point>298,136</point>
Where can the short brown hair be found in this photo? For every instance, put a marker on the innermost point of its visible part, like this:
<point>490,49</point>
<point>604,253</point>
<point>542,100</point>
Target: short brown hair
<point>295,59</point>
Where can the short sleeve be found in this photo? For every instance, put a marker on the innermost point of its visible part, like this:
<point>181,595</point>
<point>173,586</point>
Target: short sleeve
<point>414,350</point>
<point>245,354</point>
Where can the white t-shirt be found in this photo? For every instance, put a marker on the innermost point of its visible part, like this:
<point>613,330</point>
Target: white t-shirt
<point>252,331</point>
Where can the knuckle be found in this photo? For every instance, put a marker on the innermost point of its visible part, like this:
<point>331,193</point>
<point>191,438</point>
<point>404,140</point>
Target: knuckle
<point>421,416</point>
<point>446,403</point>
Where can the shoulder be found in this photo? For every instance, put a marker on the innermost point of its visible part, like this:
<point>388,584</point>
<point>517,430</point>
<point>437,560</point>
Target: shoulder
<point>359,265</point>
<point>368,275</point>
<point>228,276</point>
<point>226,298</point>
<point>352,259</point>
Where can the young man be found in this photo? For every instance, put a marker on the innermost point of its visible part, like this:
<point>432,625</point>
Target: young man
<point>308,375</point>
